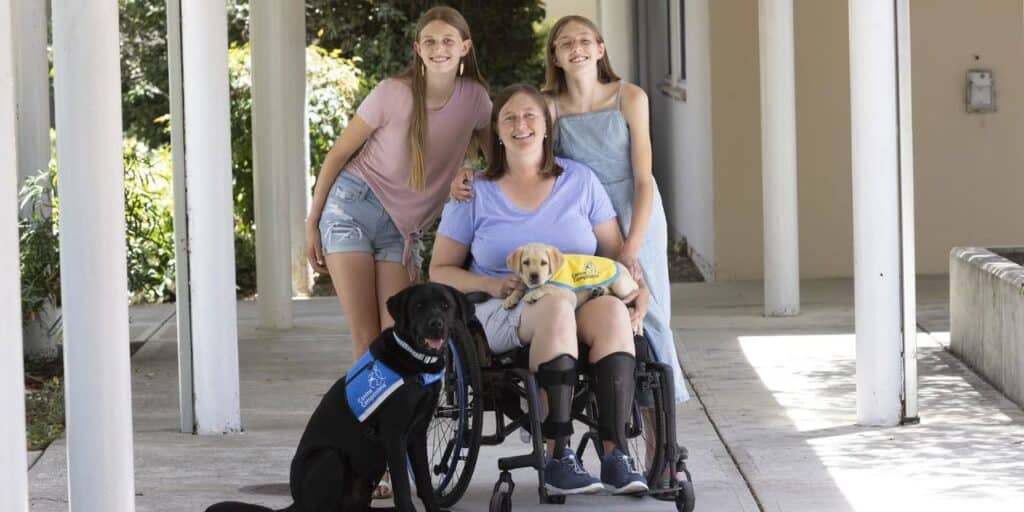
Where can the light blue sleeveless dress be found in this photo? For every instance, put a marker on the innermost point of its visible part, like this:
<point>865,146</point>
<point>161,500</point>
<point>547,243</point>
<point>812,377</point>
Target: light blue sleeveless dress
<point>601,141</point>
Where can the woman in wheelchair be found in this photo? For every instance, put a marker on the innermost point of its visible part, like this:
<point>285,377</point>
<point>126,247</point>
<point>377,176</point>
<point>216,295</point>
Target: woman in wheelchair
<point>527,195</point>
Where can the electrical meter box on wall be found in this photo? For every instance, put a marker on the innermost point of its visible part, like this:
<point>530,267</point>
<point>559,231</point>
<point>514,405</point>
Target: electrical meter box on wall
<point>981,95</point>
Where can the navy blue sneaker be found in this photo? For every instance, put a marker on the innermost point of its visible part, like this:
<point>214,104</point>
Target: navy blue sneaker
<point>567,476</point>
<point>621,475</point>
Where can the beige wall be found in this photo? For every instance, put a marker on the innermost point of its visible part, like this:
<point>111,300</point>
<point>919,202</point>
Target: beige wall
<point>825,182</point>
<point>736,139</point>
<point>558,8</point>
<point>823,138</point>
<point>969,168</point>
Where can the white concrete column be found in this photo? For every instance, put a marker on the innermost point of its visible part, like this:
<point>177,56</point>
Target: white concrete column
<point>13,468</point>
<point>300,184</point>
<point>778,159</point>
<point>876,212</point>
<point>907,248</point>
<point>183,286</point>
<point>94,276</point>
<point>278,93</point>
<point>33,88</point>
<point>33,108</point>
<point>206,165</point>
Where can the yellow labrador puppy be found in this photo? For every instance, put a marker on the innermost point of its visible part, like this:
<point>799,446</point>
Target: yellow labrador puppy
<point>576,277</point>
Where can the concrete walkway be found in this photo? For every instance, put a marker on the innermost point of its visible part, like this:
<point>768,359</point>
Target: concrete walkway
<point>772,426</point>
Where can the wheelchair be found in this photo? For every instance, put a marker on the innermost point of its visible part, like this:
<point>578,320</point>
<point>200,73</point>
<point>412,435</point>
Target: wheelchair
<point>478,382</point>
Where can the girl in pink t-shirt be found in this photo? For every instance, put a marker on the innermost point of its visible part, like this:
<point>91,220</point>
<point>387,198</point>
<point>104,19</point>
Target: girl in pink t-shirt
<point>369,208</point>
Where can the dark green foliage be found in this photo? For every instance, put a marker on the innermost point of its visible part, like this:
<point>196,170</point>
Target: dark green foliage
<point>144,74</point>
<point>245,260</point>
<point>144,91</point>
<point>149,224</point>
<point>38,246</point>
<point>380,32</point>
<point>333,85</point>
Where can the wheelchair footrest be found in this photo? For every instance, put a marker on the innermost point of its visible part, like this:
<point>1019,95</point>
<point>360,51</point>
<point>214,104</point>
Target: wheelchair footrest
<point>528,460</point>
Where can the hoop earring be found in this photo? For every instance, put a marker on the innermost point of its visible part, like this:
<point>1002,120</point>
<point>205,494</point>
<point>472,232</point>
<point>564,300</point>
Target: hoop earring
<point>462,66</point>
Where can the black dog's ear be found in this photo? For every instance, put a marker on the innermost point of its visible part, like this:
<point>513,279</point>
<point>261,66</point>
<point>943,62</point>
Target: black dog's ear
<point>397,306</point>
<point>466,310</point>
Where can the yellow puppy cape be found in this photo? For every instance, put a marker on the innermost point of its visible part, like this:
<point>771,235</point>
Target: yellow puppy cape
<point>583,272</point>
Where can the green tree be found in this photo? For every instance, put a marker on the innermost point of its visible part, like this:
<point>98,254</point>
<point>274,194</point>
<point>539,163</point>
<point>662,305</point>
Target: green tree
<point>507,34</point>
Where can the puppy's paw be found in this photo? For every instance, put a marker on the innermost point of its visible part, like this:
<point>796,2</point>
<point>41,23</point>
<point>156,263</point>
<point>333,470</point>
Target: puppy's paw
<point>534,295</point>
<point>513,299</point>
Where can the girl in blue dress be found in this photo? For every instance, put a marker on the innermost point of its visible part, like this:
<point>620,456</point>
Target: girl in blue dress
<point>603,122</point>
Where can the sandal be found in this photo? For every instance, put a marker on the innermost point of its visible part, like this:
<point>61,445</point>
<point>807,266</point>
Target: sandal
<point>383,489</point>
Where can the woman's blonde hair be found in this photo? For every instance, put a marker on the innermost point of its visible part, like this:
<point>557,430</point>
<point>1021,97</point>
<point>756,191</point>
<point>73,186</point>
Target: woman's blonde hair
<point>554,76</point>
<point>415,74</point>
<point>497,164</point>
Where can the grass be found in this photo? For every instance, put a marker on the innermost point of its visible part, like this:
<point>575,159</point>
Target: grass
<point>44,403</point>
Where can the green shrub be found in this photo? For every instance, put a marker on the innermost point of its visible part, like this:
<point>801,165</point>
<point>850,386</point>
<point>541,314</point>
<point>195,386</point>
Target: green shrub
<point>149,222</point>
<point>507,34</point>
<point>149,227</point>
<point>333,85</point>
<point>38,244</point>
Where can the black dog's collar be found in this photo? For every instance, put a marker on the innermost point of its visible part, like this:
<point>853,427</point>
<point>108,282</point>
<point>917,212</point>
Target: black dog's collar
<point>426,359</point>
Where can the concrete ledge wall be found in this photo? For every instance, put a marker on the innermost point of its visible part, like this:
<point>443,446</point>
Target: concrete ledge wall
<point>986,295</point>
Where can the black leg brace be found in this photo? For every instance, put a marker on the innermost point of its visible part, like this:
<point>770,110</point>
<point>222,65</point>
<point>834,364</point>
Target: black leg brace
<point>558,378</point>
<point>614,383</point>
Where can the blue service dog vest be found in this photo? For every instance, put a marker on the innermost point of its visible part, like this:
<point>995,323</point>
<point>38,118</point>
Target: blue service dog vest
<point>369,382</point>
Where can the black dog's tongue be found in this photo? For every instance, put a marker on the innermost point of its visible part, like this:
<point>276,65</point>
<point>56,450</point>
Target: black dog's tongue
<point>434,343</point>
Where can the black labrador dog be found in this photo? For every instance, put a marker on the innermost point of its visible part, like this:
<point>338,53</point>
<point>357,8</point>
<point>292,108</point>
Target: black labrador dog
<point>340,458</point>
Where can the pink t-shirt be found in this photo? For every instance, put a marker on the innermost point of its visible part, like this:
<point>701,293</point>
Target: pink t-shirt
<point>384,162</point>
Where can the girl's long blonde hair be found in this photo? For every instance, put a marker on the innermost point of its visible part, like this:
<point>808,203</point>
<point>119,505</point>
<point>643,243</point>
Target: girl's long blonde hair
<point>554,76</point>
<point>417,79</point>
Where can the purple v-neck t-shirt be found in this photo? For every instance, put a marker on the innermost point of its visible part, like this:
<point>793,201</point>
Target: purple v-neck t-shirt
<point>491,226</point>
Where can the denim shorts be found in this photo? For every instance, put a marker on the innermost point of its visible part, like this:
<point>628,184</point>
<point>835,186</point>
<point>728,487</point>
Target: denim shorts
<point>354,220</point>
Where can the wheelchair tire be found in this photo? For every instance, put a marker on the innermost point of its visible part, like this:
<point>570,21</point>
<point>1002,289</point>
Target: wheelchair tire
<point>501,499</point>
<point>686,500</point>
<point>555,499</point>
<point>453,437</point>
<point>651,426</point>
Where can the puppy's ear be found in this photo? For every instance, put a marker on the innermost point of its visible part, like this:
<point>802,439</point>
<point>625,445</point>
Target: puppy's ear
<point>555,258</point>
<point>513,260</point>
<point>397,307</point>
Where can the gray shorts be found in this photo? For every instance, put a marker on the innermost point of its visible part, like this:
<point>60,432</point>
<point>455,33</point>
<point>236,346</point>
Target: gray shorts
<point>500,325</point>
<point>354,220</point>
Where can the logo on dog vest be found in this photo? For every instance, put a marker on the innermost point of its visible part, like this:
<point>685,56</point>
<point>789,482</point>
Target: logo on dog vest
<point>369,382</point>
<point>583,272</point>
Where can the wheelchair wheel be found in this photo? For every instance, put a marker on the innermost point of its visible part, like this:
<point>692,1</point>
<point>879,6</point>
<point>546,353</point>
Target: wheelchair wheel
<point>501,499</point>
<point>646,435</point>
<point>686,500</point>
<point>453,437</point>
